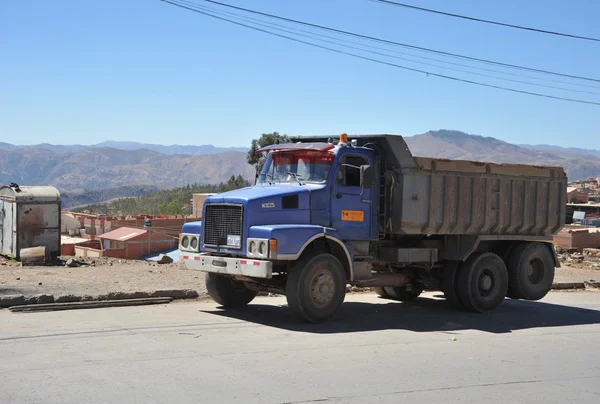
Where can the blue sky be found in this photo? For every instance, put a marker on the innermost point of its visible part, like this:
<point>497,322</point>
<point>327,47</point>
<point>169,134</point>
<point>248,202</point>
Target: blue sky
<point>143,70</point>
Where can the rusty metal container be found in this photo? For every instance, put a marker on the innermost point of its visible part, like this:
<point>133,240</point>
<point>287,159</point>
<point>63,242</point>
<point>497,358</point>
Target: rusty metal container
<point>457,197</point>
<point>29,217</point>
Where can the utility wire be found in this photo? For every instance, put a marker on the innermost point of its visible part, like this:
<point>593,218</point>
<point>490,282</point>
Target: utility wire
<point>465,17</point>
<point>389,42</point>
<point>380,61</point>
<point>311,35</point>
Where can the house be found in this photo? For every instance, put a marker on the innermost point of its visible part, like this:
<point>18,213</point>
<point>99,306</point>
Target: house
<point>127,243</point>
<point>134,243</point>
<point>197,203</point>
<point>575,195</point>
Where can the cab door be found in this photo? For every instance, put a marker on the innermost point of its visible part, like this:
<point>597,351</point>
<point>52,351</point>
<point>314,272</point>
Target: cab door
<point>351,204</point>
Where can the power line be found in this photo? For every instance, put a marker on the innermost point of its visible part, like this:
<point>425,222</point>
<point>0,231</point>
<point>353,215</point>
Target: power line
<point>336,41</point>
<point>428,10</point>
<point>402,44</point>
<point>381,61</point>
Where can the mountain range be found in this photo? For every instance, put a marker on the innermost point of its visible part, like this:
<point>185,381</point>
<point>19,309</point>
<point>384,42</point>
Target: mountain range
<point>121,145</point>
<point>123,169</point>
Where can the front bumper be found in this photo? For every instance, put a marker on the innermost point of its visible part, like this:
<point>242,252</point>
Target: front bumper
<point>229,266</point>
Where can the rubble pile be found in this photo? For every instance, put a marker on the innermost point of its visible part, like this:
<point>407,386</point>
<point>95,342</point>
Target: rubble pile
<point>589,258</point>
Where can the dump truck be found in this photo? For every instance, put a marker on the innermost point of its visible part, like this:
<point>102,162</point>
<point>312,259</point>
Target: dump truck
<point>327,213</point>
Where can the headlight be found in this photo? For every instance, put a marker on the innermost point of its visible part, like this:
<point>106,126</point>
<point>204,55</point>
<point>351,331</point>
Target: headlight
<point>185,241</point>
<point>262,248</point>
<point>258,247</point>
<point>194,242</point>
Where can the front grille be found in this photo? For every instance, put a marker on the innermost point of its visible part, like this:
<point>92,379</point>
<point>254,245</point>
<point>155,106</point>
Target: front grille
<point>221,221</point>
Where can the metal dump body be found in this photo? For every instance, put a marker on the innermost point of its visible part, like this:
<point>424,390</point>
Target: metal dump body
<point>426,196</point>
<point>474,198</point>
<point>29,217</point>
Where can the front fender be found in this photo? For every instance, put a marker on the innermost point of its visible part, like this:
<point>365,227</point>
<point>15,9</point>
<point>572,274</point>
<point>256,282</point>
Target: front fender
<point>292,240</point>
<point>192,228</point>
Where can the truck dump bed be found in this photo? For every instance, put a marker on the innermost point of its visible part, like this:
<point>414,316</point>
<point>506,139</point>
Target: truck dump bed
<point>426,196</point>
<point>473,198</point>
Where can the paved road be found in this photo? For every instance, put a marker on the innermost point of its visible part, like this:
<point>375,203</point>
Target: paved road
<point>376,351</point>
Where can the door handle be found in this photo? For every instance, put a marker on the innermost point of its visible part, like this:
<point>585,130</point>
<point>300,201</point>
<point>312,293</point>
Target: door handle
<point>338,195</point>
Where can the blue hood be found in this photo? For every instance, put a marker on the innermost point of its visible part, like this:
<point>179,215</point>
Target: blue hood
<point>271,204</point>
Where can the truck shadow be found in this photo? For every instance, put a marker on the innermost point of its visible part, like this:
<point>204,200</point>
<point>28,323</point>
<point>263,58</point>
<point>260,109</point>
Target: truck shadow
<point>421,315</point>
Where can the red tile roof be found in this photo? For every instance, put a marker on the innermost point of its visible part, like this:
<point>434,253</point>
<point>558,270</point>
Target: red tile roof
<point>123,234</point>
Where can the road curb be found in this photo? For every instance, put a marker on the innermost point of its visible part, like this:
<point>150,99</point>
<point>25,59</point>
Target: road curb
<point>23,300</point>
<point>568,285</point>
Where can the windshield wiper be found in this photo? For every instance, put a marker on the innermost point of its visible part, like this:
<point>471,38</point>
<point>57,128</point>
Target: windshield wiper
<point>269,177</point>
<point>296,176</point>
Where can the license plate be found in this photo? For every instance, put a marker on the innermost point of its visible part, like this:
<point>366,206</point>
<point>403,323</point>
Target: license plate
<point>234,241</point>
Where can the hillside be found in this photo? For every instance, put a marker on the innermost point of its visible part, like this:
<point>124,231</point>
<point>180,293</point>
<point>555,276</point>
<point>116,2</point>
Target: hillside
<point>174,201</point>
<point>459,145</point>
<point>80,197</point>
<point>97,168</point>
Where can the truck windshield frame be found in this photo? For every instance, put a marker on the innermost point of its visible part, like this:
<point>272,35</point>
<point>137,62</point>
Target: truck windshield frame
<point>297,167</point>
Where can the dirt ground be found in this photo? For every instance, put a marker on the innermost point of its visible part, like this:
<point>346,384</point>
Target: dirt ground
<point>98,277</point>
<point>104,276</point>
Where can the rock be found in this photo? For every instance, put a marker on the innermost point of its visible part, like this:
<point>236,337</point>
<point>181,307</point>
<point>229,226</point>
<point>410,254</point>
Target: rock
<point>72,263</point>
<point>176,293</point>
<point>40,283</point>
<point>67,299</point>
<point>164,259</point>
<point>44,299</point>
<point>18,279</point>
<point>12,300</point>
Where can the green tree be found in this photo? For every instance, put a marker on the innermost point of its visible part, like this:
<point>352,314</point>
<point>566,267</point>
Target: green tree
<point>266,139</point>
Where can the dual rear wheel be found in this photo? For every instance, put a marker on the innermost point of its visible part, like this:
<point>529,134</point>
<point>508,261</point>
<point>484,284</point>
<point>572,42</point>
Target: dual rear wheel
<point>482,282</point>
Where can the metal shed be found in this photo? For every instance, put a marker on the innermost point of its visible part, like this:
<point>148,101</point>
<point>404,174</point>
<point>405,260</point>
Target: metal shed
<point>29,217</point>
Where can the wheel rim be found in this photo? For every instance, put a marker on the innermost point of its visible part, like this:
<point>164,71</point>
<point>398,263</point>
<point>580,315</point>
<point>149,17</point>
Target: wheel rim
<point>535,271</point>
<point>322,288</point>
<point>487,283</point>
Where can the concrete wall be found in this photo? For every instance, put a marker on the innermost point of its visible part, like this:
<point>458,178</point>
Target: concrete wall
<point>577,239</point>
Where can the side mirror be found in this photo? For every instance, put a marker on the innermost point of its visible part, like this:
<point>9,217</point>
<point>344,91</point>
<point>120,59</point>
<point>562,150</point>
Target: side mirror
<point>366,177</point>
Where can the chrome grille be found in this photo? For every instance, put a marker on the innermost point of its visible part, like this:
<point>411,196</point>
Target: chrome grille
<point>220,221</point>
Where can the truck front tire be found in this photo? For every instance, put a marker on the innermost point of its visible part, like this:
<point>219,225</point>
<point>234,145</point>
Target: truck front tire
<point>316,287</point>
<point>227,291</point>
<point>531,271</point>
<point>482,282</point>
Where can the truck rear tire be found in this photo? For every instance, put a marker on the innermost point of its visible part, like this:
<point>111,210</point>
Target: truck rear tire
<point>316,287</point>
<point>531,271</point>
<point>450,277</point>
<point>227,291</point>
<point>482,282</point>
<point>405,293</point>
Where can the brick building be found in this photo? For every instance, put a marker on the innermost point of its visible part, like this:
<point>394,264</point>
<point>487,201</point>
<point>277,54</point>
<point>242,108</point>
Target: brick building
<point>576,195</point>
<point>132,243</point>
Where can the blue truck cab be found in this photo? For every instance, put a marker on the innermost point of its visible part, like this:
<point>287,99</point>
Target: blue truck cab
<point>325,213</point>
<point>309,202</point>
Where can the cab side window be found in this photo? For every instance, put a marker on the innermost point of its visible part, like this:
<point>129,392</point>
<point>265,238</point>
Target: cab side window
<point>349,170</point>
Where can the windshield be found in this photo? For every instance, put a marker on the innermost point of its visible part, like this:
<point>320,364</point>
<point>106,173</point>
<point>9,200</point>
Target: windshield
<point>297,167</point>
